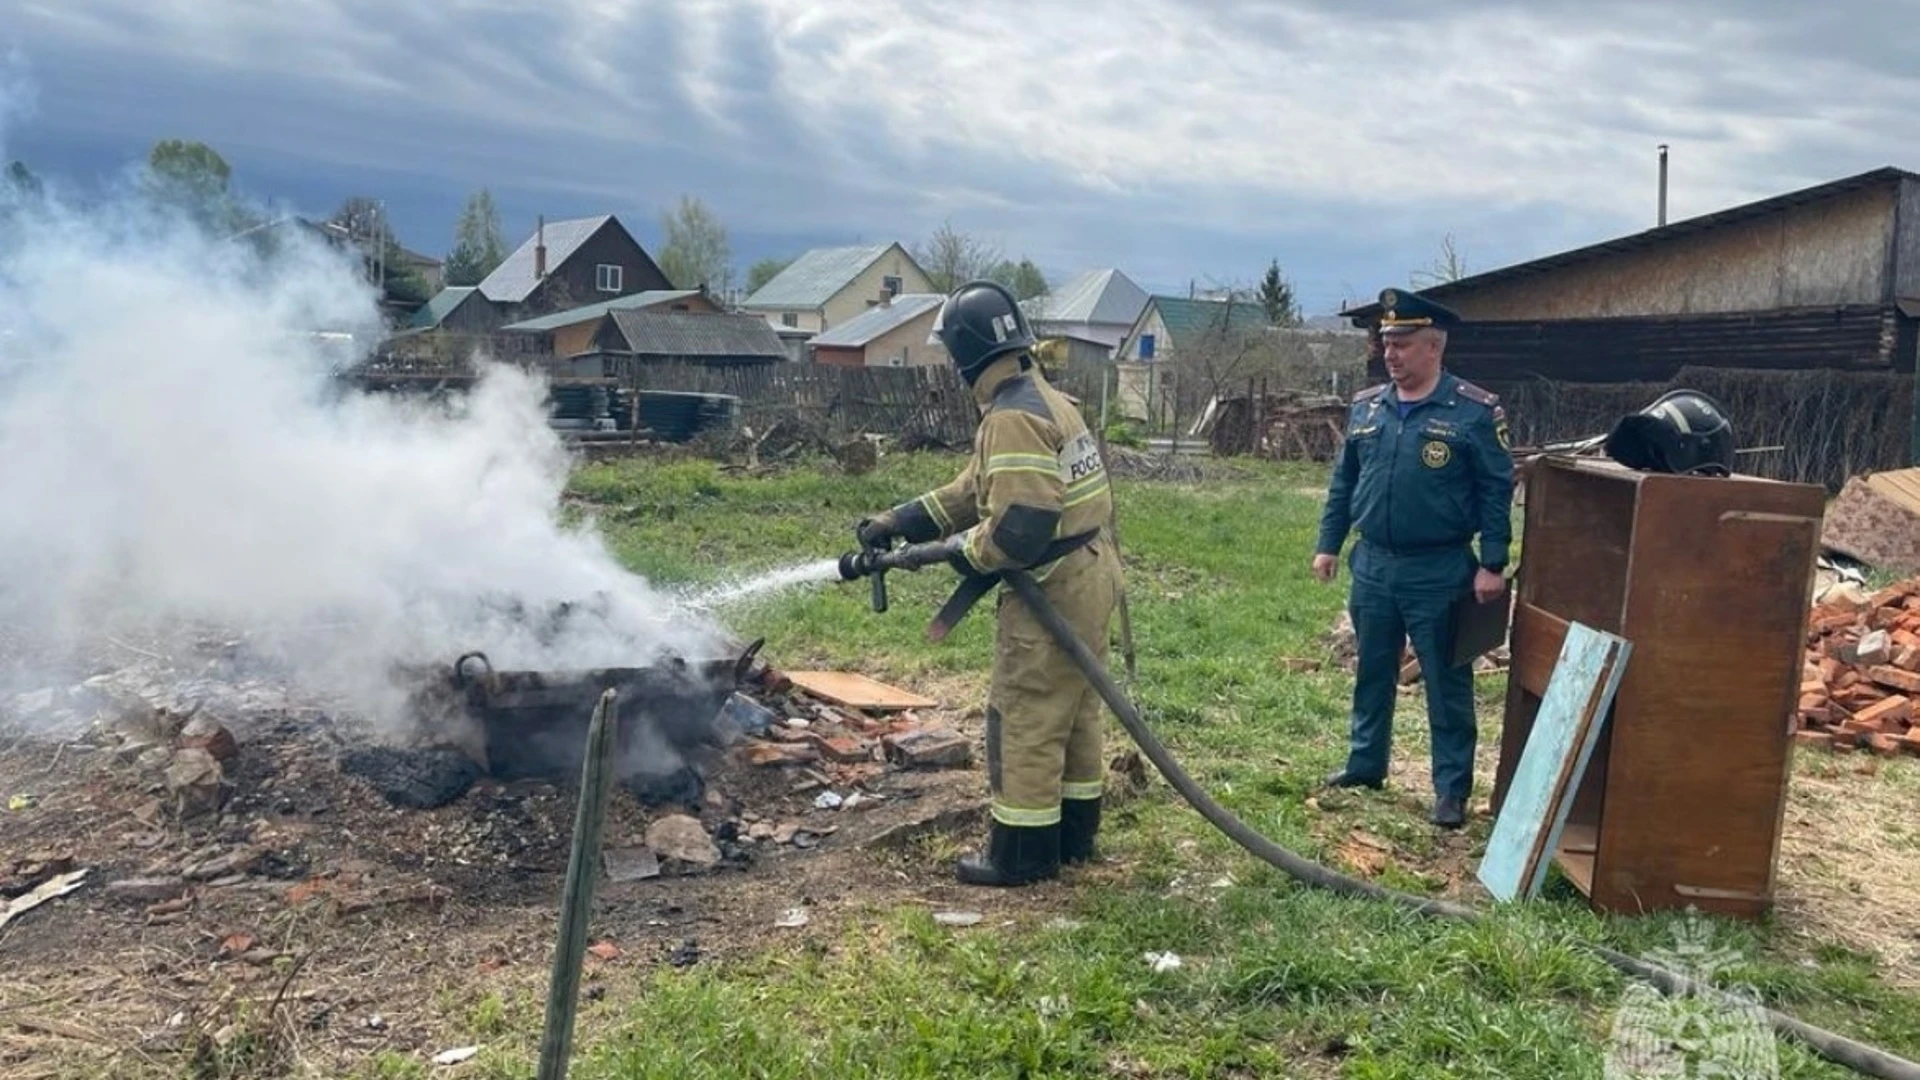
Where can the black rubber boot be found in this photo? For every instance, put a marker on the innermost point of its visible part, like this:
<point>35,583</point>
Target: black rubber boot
<point>1014,856</point>
<point>1079,823</point>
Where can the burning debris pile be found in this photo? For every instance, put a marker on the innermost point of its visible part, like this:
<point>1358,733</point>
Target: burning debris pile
<point>1861,678</point>
<point>220,772</point>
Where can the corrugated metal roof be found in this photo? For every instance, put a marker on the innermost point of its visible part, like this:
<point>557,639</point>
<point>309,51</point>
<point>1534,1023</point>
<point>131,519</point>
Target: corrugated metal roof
<point>437,308</point>
<point>513,280</point>
<point>593,311</point>
<point>856,332</point>
<point>1648,237</point>
<point>1189,318</point>
<point>685,333</point>
<point>812,279</point>
<point>1097,296</point>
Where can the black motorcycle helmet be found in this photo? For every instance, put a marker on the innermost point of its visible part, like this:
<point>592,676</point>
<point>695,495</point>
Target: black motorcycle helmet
<point>1684,431</point>
<point>979,323</point>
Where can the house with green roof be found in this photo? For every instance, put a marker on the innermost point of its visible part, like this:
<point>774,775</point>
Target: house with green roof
<point>1168,325</point>
<point>829,286</point>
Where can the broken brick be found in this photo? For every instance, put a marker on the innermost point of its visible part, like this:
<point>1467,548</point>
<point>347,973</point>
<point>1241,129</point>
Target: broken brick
<point>1874,648</point>
<point>1822,740</point>
<point>844,748</point>
<point>929,748</point>
<point>1884,745</point>
<point>1881,714</point>
<point>767,755</point>
<point>1895,677</point>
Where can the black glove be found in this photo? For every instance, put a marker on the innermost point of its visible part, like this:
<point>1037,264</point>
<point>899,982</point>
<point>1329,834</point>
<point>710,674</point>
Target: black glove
<point>877,531</point>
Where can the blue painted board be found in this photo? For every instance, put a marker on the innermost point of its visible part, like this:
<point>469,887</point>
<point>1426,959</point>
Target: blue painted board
<point>1540,795</point>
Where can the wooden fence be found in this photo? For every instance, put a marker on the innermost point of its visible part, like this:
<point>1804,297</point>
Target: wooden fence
<point>918,406</point>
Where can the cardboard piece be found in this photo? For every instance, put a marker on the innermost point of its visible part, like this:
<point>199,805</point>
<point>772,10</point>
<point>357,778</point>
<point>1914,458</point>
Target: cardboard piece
<point>1578,695</point>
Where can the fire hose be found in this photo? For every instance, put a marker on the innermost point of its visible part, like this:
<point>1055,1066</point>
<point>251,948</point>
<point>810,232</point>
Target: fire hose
<point>1861,1057</point>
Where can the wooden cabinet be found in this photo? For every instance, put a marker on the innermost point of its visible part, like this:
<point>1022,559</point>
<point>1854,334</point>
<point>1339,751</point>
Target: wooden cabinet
<point>1709,579</point>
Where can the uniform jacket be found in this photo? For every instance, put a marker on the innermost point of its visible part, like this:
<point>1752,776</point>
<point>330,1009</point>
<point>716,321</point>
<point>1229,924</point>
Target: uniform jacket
<point>1428,482</point>
<point>1035,476</point>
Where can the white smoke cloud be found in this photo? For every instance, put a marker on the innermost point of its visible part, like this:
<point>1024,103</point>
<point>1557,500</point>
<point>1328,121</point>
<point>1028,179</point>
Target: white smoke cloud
<point>174,451</point>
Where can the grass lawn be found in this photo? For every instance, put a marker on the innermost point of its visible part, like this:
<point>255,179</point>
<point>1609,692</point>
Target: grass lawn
<point>1276,979</point>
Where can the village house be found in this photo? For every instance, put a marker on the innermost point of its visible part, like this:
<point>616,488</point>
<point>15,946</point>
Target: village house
<point>565,333</point>
<point>892,333</point>
<point>828,286</point>
<point>564,264</point>
<point>625,339</point>
<point>1168,329</point>
<point>1097,307</point>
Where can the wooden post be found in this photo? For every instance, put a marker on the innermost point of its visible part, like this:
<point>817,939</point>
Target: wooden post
<point>576,904</point>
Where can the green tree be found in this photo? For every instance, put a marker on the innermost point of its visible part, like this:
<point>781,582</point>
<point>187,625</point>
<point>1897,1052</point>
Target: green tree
<point>191,178</point>
<point>1022,278</point>
<point>1276,296</point>
<point>764,271</point>
<point>695,252</point>
<point>477,246</point>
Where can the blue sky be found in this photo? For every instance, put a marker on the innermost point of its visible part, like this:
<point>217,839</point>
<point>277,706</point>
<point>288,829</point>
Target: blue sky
<point>1176,139</point>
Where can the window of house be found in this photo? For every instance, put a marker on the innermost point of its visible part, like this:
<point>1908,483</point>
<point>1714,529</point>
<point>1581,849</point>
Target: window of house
<point>788,318</point>
<point>1146,346</point>
<point>607,277</point>
<point>892,284</point>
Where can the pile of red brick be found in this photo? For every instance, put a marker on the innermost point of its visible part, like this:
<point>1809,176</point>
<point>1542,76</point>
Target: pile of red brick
<point>1861,680</point>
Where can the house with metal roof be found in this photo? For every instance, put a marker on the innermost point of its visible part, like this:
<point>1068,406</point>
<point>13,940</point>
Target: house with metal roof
<point>892,333</point>
<point>458,309</point>
<point>625,338</point>
<point>1826,276</point>
<point>569,263</point>
<point>1170,325</point>
<point>1098,306</point>
<point>571,331</point>
<point>828,286</point>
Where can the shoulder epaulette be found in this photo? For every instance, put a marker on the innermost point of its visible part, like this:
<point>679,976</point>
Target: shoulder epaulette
<point>1478,394</point>
<point>1370,393</point>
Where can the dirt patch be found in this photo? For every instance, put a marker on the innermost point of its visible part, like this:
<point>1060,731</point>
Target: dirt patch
<point>371,918</point>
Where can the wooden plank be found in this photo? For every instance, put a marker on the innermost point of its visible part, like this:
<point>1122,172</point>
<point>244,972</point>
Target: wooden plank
<point>1538,637</point>
<point>1575,704</point>
<point>856,691</point>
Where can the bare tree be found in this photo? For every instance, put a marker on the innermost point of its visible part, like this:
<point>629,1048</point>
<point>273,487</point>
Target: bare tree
<point>951,257</point>
<point>1448,267</point>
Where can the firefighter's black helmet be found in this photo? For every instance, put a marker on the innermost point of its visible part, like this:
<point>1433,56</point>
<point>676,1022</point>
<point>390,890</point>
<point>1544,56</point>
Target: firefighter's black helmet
<point>1684,431</point>
<point>979,323</point>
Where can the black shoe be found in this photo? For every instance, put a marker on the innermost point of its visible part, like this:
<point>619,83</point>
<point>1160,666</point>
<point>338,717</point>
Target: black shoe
<point>1079,821</point>
<point>1014,856</point>
<point>1343,778</point>
<point>1449,812</point>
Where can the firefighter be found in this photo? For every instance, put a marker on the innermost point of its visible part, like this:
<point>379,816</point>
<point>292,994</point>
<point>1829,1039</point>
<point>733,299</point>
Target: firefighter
<point>1033,495</point>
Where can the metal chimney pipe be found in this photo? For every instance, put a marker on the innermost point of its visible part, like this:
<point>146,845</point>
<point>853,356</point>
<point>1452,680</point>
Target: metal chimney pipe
<point>1663,183</point>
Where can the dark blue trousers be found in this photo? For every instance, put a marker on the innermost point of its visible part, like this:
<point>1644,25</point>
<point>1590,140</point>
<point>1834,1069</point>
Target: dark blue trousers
<point>1394,600</point>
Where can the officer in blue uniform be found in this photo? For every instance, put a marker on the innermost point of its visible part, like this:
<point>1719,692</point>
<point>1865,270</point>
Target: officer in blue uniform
<point>1425,466</point>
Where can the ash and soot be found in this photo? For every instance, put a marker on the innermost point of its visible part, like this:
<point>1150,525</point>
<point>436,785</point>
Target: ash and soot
<point>184,463</point>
